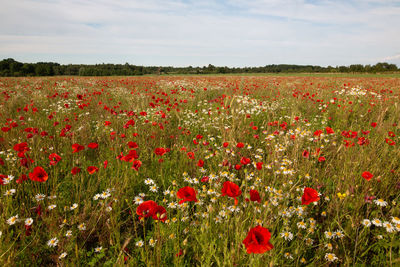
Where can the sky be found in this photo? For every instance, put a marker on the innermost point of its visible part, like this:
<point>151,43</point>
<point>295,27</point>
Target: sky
<point>234,33</point>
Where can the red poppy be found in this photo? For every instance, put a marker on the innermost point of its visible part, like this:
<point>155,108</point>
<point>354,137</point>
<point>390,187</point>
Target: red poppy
<point>373,124</point>
<point>255,196</point>
<point>329,130</point>
<point>321,159</point>
<point>92,169</point>
<point>200,163</point>
<point>77,147</point>
<point>132,144</point>
<point>190,155</point>
<point>245,160</point>
<point>309,195</point>
<point>38,175</point>
<point>75,170</point>
<point>225,144</point>
<point>136,165</point>
<point>21,148</point>
<point>257,240</point>
<point>145,208</point>
<point>240,145</point>
<point>186,193</point>
<point>159,213</point>
<point>367,175</point>
<point>54,159</point>
<point>305,154</point>
<point>259,165</point>
<point>231,189</point>
<point>93,145</point>
<point>160,151</point>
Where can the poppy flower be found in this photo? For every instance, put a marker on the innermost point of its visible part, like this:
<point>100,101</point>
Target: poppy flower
<point>259,165</point>
<point>136,165</point>
<point>159,213</point>
<point>190,155</point>
<point>257,240</point>
<point>75,170</point>
<point>21,148</point>
<point>225,144</point>
<point>145,208</point>
<point>305,154</point>
<point>367,175</point>
<point>54,159</point>
<point>93,145</point>
<point>309,195</point>
<point>321,159</point>
<point>200,163</point>
<point>240,145</point>
<point>92,169</point>
<point>329,130</point>
<point>77,147</point>
<point>231,189</point>
<point>186,193</point>
<point>159,151</point>
<point>255,196</point>
<point>38,175</point>
<point>132,144</point>
<point>245,160</point>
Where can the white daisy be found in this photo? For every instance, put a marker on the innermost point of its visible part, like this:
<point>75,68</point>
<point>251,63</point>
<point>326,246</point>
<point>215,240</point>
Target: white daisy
<point>366,223</point>
<point>330,257</point>
<point>28,221</point>
<point>380,202</point>
<point>52,242</point>
<point>12,220</point>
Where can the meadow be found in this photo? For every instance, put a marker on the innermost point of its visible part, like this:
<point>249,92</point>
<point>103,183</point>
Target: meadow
<point>200,171</point>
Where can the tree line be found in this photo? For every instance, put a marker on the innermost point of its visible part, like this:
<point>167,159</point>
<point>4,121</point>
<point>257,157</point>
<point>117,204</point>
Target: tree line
<point>9,68</point>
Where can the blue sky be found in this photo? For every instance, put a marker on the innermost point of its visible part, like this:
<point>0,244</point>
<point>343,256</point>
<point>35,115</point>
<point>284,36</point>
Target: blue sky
<point>184,32</point>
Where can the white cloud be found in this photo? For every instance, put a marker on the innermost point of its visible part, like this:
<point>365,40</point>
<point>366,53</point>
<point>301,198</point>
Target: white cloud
<point>234,33</point>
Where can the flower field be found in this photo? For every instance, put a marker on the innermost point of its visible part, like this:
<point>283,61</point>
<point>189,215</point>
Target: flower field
<point>200,171</point>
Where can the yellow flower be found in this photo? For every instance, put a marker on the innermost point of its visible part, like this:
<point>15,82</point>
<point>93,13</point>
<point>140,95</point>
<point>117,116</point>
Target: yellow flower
<point>341,196</point>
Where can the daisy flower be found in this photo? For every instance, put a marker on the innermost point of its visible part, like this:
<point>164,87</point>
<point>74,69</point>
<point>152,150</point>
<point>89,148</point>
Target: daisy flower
<point>389,227</point>
<point>287,235</point>
<point>63,255</point>
<point>139,243</point>
<point>12,220</point>
<point>377,222</point>
<point>330,257</point>
<point>98,249</point>
<point>52,242</point>
<point>28,222</point>
<point>380,202</point>
<point>82,227</point>
<point>366,223</point>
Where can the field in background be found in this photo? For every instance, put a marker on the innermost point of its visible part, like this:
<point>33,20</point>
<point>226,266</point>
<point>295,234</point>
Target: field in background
<point>186,170</point>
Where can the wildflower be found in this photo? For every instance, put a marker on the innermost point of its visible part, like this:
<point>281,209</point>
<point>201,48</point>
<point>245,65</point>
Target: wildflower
<point>153,188</point>
<point>68,233</point>
<point>38,175</point>
<point>303,261</point>
<point>377,222</point>
<point>309,195</point>
<point>144,210</point>
<point>380,202</point>
<point>105,195</point>
<point>9,192</point>
<point>149,181</point>
<point>367,175</point>
<point>232,190</point>
<point>366,223</point>
<point>98,249</point>
<point>52,242</point>
<point>139,243</point>
<point>339,234</point>
<point>12,220</point>
<point>287,235</point>
<point>40,197</point>
<point>257,240</point>
<point>330,257</point>
<point>63,255</point>
<point>152,242</point>
<point>389,227</point>
<point>395,220</point>
<point>288,256</point>
<point>28,222</point>
<point>82,227</point>
<point>329,246</point>
<point>52,207</point>
<point>329,234</point>
<point>186,194</point>
<point>301,225</point>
